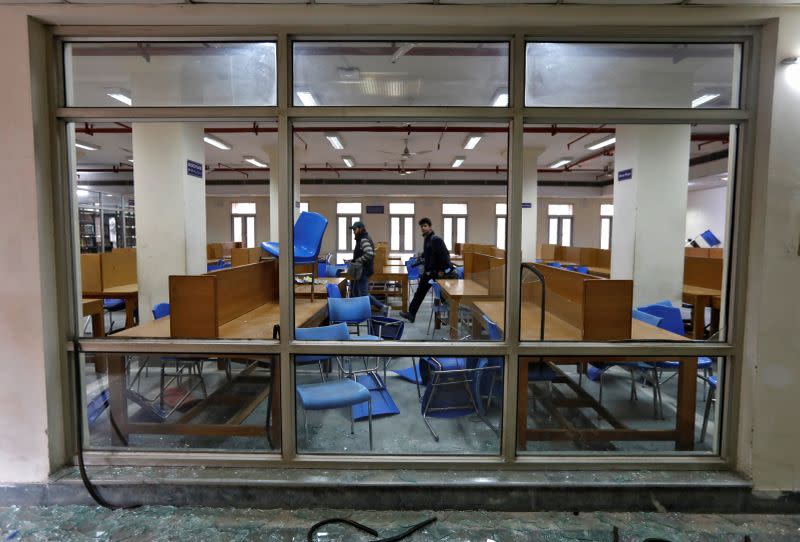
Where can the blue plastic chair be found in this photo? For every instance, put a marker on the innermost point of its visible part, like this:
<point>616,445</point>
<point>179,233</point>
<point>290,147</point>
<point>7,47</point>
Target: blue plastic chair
<point>113,305</point>
<point>439,309</point>
<point>712,387</point>
<point>334,394</point>
<point>160,310</point>
<point>308,232</point>
<point>336,332</point>
<point>582,269</point>
<point>333,291</point>
<point>554,264</point>
<point>350,310</point>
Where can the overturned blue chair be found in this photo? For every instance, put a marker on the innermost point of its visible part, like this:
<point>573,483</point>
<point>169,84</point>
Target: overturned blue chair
<point>308,232</point>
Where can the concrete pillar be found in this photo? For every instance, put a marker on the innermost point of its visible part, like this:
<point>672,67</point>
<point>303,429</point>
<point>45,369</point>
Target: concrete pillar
<point>170,207</point>
<point>530,181</point>
<point>650,193</point>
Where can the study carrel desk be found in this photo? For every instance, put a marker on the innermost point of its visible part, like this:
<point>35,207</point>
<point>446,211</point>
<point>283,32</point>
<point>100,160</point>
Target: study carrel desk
<point>111,275</point>
<point>245,300</point>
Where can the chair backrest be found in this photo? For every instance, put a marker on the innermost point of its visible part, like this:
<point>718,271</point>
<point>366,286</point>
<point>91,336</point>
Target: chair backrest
<point>494,330</point>
<point>333,290</point>
<point>670,317</point>
<point>582,269</point>
<point>460,272</point>
<point>437,290</point>
<point>160,310</point>
<point>335,332</point>
<point>646,317</point>
<point>554,264</point>
<point>412,270</point>
<point>352,310</point>
<point>308,232</point>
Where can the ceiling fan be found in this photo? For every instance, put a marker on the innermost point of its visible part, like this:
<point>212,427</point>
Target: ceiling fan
<point>401,169</point>
<point>406,154</point>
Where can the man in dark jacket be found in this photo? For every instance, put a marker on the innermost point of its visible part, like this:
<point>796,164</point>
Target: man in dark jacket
<point>362,266</point>
<point>436,261</point>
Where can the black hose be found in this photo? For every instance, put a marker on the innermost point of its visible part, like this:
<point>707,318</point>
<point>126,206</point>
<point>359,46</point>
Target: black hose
<point>369,530</point>
<point>87,483</point>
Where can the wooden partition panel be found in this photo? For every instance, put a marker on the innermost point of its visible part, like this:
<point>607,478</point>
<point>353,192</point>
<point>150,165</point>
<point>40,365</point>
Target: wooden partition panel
<point>244,256</point>
<point>570,254</point>
<point>696,252</point>
<point>193,307</point>
<point>457,248</point>
<point>594,257</point>
<point>715,253</point>
<point>91,273</point>
<point>118,268</point>
<point>497,276</point>
<point>242,289</point>
<point>703,272</point>
<point>602,258</point>
<point>548,252</point>
<point>607,310</point>
<point>564,290</point>
<point>381,255</point>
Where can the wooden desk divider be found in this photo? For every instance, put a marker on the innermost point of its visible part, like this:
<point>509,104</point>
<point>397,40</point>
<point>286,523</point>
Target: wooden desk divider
<point>381,256</point>
<point>588,256</point>
<point>703,272</point>
<point>118,268</point>
<point>488,271</point>
<point>244,256</point>
<point>219,251</point>
<point>458,248</point>
<point>600,308</point>
<point>199,304</point>
<point>490,250</point>
<point>91,274</point>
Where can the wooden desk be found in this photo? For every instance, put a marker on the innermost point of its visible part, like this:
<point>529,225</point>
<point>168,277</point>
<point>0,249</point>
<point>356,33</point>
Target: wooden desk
<point>127,292</point>
<point>700,298</point>
<point>304,290</point>
<point>556,329</point>
<point>94,308</point>
<point>458,291</point>
<point>604,272</point>
<point>256,324</point>
<point>397,273</point>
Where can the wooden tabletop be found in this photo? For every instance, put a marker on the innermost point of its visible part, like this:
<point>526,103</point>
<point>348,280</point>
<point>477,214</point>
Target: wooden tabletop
<point>256,324</point>
<point>125,289</point>
<point>699,290</point>
<point>389,270</point>
<point>558,330</point>
<point>462,287</point>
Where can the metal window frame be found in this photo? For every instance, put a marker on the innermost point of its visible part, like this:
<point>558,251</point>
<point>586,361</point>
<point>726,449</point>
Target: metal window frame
<point>516,115</point>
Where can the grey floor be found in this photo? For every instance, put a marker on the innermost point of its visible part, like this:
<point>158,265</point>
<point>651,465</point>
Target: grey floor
<point>406,433</point>
<point>165,523</point>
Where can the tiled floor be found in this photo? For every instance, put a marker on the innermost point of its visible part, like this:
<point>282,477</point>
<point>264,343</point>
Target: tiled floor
<point>164,523</point>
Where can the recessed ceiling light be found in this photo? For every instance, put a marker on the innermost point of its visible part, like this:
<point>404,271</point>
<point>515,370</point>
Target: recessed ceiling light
<point>602,143</point>
<point>87,146</point>
<point>120,94</point>
<point>216,142</point>
<point>253,160</point>
<point>705,98</point>
<point>560,163</point>
<point>335,141</point>
<point>500,98</point>
<point>457,161</point>
<point>349,161</point>
<point>472,141</point>
<point>306,98</point>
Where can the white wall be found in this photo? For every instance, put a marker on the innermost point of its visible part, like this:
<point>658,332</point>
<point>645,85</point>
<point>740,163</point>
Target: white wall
<point>706,209</point>
<point>585,223</point>
<point>218,218</point>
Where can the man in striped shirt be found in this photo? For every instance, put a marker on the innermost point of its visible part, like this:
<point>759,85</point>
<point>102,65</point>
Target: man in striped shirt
<point>362,266</point>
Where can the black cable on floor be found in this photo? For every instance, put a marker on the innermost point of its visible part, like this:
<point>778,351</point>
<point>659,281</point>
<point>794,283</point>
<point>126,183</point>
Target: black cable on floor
<point>87,483</point>
<point>369,530</point>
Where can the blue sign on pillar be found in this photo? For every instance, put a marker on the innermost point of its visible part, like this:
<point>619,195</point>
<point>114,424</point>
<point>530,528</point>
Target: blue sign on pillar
<point>625,174</point>
<point>527,205</point>
<point>194,169</point>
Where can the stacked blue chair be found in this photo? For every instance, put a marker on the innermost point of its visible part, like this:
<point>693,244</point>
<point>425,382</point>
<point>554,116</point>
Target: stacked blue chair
<point>308,232</point>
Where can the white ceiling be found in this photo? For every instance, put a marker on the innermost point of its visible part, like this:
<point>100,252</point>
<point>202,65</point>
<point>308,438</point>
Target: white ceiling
<point>475,2</point>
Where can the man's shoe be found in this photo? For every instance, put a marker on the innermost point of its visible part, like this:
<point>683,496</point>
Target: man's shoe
<point>407,316</point>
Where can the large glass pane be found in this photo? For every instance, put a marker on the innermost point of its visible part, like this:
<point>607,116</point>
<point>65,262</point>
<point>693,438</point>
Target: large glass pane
<point>456,408</point>
<point>401,73</point>
<point>155,228</point>
<point>170,74</point>
<point>501,232</point>
<point>178,402</point>
<point>633,405</point>
<point>647,215</point>
<point>677,75</point>
<point>395,193</point>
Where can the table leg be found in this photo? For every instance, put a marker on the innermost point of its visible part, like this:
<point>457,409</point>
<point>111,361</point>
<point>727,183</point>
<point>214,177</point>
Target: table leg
<point>131,304</point>
<point>686,405</point>
<point>699,316</point>
<point>99,330</point>
<point>117,399</point>
<point>404,286</point>
<point>275,401</point>
<point>522,404</point>
<point>453,317</point>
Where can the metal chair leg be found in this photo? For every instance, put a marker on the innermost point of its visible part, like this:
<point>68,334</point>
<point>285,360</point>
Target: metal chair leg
<point>706,412</point>
<point>369,413</point>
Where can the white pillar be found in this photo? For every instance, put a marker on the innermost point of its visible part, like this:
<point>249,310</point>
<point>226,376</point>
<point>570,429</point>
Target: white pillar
<point>530,181</point>
<point>170,207</point>
<point>650,192</point>
<point>274,165</point>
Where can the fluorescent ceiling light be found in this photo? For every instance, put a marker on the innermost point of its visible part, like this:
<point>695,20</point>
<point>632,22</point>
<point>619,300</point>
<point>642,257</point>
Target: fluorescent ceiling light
<point>457,161</point>
<point>120,94</point>
<point>216,142</point>
<point>82,193</point>
<point>87,146</point>
<point>602,143</point>
<point>472,141</point>
<point>335,141</point>
<point>560,163</point>
<point>306,98</point>
<point>348,161</point>
<point>253,160</point>
<point>83,187</point>
<point>500,98</point>
<point>705,98</point>
<point>130,159</point>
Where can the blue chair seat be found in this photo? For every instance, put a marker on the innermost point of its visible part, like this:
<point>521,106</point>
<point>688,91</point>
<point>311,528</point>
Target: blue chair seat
<point>332,394</point>
<point>114,304</point>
